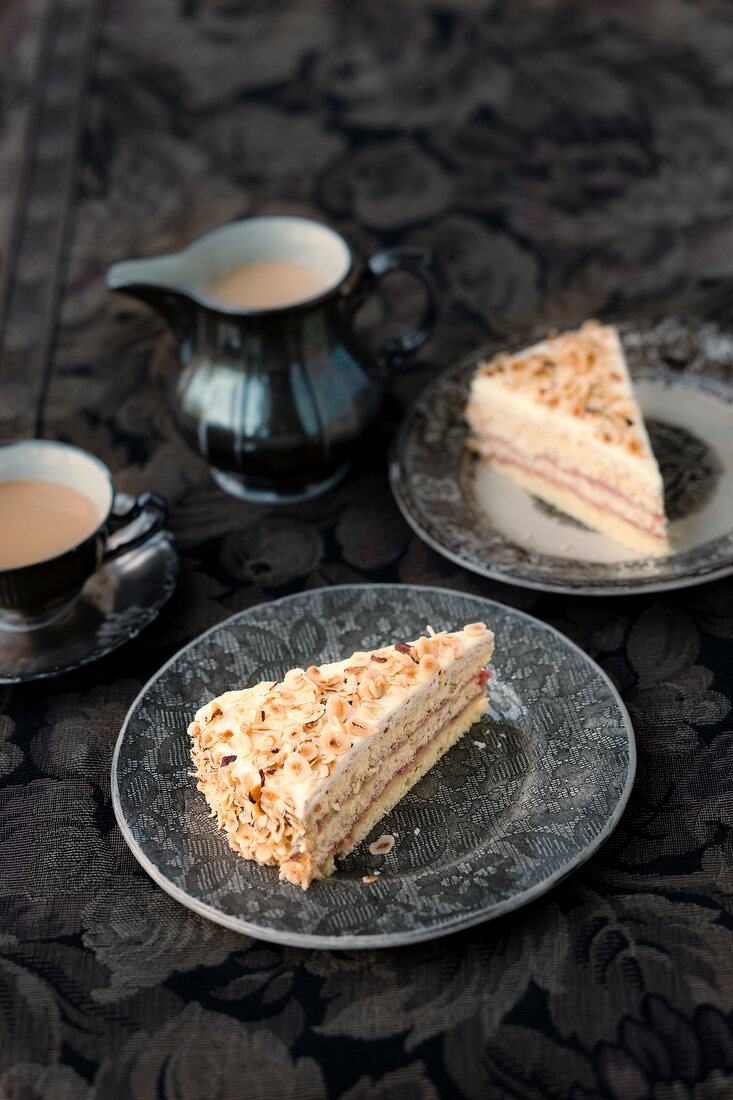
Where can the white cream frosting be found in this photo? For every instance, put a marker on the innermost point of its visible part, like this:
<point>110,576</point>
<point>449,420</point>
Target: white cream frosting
<point>304,731</point>
<point>582,380</point>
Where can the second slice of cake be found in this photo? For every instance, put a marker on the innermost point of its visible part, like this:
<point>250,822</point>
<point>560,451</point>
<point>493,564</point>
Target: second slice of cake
<point>297,772</point>
<point>560,419</point>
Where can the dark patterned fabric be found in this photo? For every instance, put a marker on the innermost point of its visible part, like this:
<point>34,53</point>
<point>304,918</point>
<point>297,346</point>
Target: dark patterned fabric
<point>561,160</point>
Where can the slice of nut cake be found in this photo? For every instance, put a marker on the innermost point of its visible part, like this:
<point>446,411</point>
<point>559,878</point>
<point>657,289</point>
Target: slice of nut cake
<point>297,772</point>
<point>560,419</point>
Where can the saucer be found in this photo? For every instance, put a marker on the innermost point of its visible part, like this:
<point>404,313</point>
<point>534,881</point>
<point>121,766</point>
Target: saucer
<point>123,597</point>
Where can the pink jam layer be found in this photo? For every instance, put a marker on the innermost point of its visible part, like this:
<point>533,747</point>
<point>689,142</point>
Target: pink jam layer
<point>481,677</point>
<point>508,459</point>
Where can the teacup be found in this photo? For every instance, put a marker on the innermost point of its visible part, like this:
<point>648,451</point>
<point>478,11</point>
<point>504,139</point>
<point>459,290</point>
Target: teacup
<point>36,594</point>
<point>274,397</point>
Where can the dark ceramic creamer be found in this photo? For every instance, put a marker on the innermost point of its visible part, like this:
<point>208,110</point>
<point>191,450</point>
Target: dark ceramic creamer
<point>273,399</point>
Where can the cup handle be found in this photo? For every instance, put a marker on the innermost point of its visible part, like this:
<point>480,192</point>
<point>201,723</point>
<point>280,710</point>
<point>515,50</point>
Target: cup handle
<point>417,262</point>
<point>125,510</point>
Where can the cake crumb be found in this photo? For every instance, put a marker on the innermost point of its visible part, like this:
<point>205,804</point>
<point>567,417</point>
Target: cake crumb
<point>369,879</point>
<point>480,744</point>
<point>383,845</point>
<point>417,832</point>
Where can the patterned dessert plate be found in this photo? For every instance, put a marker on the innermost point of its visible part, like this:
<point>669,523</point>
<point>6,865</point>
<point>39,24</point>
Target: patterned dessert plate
<point>527,795</point>
<point>683,378</point>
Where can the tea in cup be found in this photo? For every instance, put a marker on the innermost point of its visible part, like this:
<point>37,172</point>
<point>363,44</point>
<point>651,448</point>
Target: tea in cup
<point>58,524</point>
<point>40,519</point>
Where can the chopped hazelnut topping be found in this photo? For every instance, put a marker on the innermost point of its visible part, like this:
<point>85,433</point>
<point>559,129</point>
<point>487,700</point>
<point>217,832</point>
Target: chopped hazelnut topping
<point>429,665</point>
<point>575,372</point>
<point>334,741</point>
<point>374,688</point>
<point>382,846</point>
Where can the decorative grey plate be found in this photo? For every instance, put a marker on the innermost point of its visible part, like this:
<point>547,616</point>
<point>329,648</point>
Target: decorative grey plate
<point>683,378</point>
<point>528,794</point>
<point>123,597</point>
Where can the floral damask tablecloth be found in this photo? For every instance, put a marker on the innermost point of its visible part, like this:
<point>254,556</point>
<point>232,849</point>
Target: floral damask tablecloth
<point>561,160</point>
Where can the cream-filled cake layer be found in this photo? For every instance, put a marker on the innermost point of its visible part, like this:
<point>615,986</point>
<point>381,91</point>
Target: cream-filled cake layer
<point>382,791</point>
<point>348,812</point>
<point>545,468</point>
<point>610,523</point>
<point>498,421</point>
<point>293,770</point>
<point>560,419</point>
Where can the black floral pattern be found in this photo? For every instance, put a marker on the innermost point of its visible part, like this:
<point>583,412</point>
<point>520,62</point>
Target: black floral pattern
<point>561,160</point>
